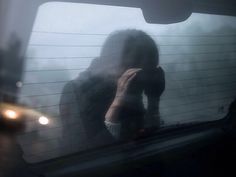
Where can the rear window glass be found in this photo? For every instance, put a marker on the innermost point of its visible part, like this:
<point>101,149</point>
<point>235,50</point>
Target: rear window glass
<point>197,56</point>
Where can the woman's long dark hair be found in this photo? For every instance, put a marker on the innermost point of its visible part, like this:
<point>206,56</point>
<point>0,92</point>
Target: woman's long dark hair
<point>126,49</point>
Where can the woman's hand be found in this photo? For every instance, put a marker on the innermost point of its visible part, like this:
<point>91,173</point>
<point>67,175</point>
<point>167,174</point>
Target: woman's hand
<point>123,84</point>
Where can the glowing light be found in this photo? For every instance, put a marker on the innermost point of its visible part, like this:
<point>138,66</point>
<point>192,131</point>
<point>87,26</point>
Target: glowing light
<point>43,120</point>
<point>10,114</point>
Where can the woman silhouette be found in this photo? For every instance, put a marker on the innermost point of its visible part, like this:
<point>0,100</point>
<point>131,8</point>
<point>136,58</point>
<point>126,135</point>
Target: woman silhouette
<point>109,94</point>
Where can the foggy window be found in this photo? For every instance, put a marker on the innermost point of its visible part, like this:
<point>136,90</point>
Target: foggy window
<point>197,56</point>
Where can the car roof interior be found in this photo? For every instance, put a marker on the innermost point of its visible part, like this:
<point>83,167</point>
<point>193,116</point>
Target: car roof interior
<point>20,15</point>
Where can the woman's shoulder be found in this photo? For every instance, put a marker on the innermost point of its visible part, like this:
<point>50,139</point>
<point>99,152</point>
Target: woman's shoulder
<point>84,81</point>
<point>68,86</point>
<point>75,84</point>
<point>161,70</point>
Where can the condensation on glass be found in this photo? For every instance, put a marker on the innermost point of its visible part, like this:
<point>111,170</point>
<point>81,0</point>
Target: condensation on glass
<point>197,55</point>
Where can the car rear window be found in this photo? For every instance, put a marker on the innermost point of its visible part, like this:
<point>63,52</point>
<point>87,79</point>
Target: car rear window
<point>197,56</point>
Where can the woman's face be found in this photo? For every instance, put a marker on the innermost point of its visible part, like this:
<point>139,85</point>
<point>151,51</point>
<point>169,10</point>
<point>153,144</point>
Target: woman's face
<point>139,57</point>
<point>113,73</point>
